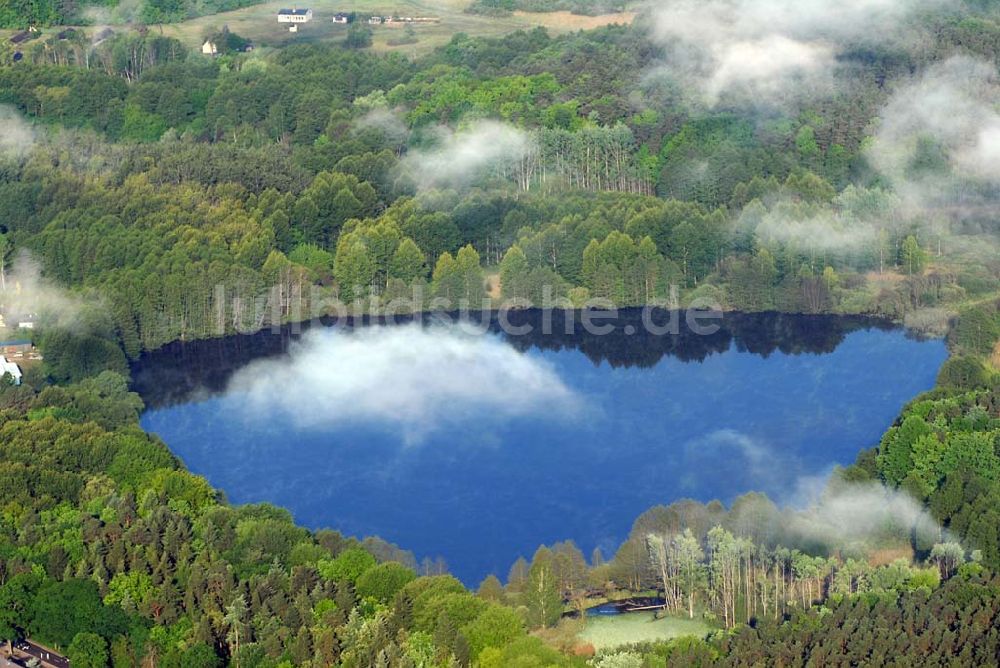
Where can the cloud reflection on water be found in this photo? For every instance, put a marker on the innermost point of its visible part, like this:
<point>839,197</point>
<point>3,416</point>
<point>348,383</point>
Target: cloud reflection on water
<point>413,380</point>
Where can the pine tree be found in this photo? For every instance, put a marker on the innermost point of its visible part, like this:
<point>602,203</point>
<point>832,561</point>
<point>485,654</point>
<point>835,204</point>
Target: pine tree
<point>407,263</point>
<point>513,274</point>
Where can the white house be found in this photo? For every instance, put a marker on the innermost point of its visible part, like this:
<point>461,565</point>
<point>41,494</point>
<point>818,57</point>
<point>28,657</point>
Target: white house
<point>209,48</point>
<point>11,368</point>
<point>295,15</point>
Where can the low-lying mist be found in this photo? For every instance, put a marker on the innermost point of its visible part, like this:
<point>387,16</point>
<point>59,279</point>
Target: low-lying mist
<point>387,122</point>
<point>766,52</point>
<point>854,517</point>
<point>935,157</point>
<point>938,139</point>
<point>17,137</point>
<point>819,511</point>
<point>460,157</point>
<point>25,292</point>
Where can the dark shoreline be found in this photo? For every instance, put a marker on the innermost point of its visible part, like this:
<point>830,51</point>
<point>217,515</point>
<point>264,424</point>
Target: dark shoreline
<point>179,370</point>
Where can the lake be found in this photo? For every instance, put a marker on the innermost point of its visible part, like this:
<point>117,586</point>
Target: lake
<point>478,447</point>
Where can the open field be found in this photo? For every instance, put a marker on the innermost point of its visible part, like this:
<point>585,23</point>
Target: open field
<point>614,630</point>
<point>566,21</point>
<point>259,23</point>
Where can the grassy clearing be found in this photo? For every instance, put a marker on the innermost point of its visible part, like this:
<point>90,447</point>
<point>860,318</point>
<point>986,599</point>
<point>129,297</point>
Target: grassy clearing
<point>567,21</point>
<point>614,630</point>
<point>259,23</point>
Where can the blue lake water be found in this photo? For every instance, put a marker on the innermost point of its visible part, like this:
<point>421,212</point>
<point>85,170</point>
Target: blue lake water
<point>478,448</point>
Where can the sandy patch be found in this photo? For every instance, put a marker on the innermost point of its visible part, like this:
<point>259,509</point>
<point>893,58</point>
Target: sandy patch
<point>493,288</point>
<point>887,276</point>
<point>890,554</point>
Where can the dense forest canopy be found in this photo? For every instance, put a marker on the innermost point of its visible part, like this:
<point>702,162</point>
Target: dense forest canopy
<point>332,173</point>
<point>149,194</point>
<point>22,14</point>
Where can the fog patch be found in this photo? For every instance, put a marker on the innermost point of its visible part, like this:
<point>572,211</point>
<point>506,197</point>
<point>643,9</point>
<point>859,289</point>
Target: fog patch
<point>387,122</point>
<point>17,137</point>
<point>26,294</point>
<point>982,159</point>
<point>938,138</point>
<point>766,50</point>
<point>936,144</point>
<point>459,158</point>
<point>412,379</point>
<point>821,510</point>
<point>96,16</point>
<point>766,66</point>
<point>124,12</point>
<point>823,232</point>
<point>858,515</point>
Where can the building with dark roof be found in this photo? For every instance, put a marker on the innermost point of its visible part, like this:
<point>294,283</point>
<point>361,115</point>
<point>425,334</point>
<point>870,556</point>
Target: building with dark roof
<point>15,346</point>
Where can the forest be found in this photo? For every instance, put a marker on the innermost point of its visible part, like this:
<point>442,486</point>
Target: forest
<point>23,14</point>
<point>252,187</point>
<point>113,553</point>
<point>150,195</point>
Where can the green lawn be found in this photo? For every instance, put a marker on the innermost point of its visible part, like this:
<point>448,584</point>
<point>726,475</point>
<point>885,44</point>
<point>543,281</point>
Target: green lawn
<point>615,630</point>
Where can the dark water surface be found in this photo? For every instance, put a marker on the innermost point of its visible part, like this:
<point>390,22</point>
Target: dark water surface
<point>480,447</point>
